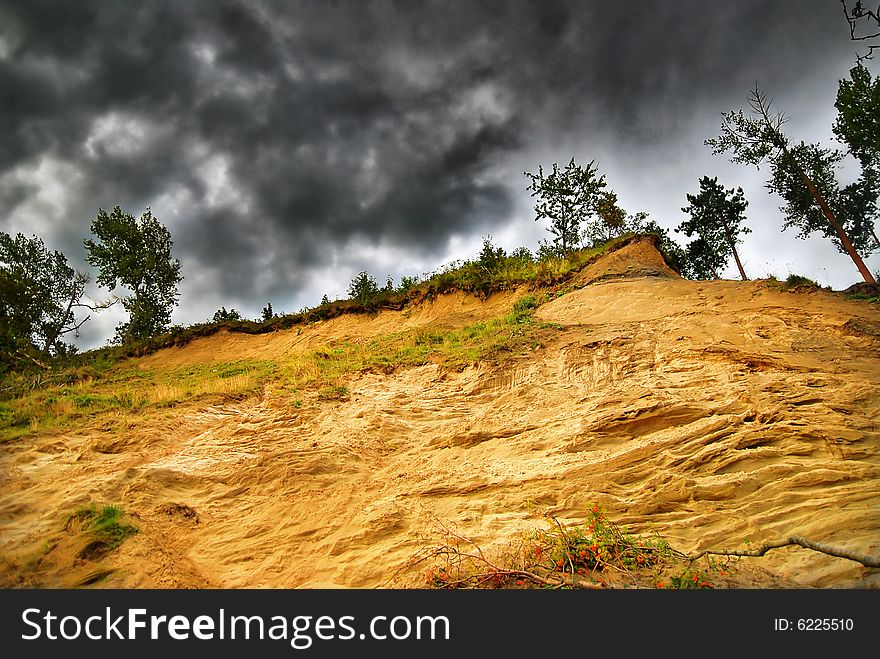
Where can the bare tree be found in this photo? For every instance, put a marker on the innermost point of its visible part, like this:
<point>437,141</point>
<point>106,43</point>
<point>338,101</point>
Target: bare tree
<point>864,25</point>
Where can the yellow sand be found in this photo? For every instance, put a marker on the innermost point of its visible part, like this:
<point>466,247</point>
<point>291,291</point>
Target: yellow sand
<point>713,412</point>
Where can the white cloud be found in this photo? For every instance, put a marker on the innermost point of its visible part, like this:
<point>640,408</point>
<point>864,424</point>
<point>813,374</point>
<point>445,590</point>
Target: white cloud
<point>54,182</point>
<point>120,135</point>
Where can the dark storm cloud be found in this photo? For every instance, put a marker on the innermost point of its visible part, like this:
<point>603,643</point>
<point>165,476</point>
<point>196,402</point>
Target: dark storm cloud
<point>280,136</point>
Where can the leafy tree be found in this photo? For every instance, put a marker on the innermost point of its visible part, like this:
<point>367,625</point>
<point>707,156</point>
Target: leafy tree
<point>854,206</point>
<point>407,283</point>
<point>717,216</point>
<point>566,197</point>
<point>389,284</point>
<point>222,315</point>
<point>491,257</point>
<point>136,254</point>
<point>39,292</point>
<point>611,215</point>
<point>611,220</point>
<point>363,288</point>
<point>267,313</point>
<point>548,250</point>
<point>796,172</point>
<point>522,255</point>
<point>858,116</point>
<point>325,300</point>
<point>702,261</point>
<point>858,126</point>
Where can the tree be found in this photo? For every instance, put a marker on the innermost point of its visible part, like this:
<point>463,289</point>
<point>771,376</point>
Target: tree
<point>522,255</point>
<point>39,292</point>
<point>363,288</point>
<point>222,315</point>
<point>407,283</point>
<point>759,138</point>
<point>491,257</point>
<point>611,220</point>
<point>612,216</point>
<point>864,25</point>
<point>566,197</point>
<point>858,116</point>
<point>701,261</point>
<point>324,300</point>
<point>717,217</point>
<point>136,254</point>
<point>267,313</point>
<point>858,126</point>
<point>854,206</point>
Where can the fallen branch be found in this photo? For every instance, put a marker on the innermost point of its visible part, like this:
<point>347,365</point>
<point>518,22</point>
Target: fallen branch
<point>453,555</point>
<point>24,355</point>
<point>864,559</point>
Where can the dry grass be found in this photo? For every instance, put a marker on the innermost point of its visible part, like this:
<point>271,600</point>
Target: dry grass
<point>116,394</point>
<point>126,391</point>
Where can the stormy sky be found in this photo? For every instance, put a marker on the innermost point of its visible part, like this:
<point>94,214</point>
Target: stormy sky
<point>289,145</point>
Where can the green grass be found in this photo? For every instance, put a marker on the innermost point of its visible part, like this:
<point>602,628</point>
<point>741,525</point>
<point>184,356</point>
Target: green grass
<point>70,401</point>
<point>510,273</point>
<point>861,297</point>
<point>329,367</point>
<point>112,396</point>
<point>104,528</point>
<point>794,282</point>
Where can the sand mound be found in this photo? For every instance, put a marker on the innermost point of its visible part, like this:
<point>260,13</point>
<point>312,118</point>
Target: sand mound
<point>638,258</point>
<point>717,413</point>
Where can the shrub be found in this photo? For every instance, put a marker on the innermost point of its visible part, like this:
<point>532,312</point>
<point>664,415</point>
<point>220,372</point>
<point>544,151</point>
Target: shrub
<point>221,315</point>
<point>491,257</point>
<point>363,288</point>
<point>797,281</point>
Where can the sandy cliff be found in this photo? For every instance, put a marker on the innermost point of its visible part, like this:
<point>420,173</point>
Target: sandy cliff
<point>716,413</point>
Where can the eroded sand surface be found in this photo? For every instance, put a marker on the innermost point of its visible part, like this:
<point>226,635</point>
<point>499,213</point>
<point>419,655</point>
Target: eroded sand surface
<point>714,412</point>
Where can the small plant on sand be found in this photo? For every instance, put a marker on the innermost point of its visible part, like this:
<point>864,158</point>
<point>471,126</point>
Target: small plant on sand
<point>689,578</point>
<point>798,282</point>
<point>594,554</point>
<point>103,528</point>
<point>522,310</point>
<point>333,392</point>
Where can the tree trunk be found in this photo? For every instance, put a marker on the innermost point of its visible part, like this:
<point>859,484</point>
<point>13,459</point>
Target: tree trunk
<point>742,273</point>
<point>829,215</point>
<point>134,313</point>
<point>732,243</point>
<point>53,333</point>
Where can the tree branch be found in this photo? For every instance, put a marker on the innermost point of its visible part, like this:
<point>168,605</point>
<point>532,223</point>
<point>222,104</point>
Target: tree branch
<point>853,17</point>
<point>98,306</point>
<point>74,328</point>
<point>864,559</point>
<point>33,359</point>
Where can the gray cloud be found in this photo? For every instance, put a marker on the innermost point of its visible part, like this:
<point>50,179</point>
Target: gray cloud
<point>288,145</point>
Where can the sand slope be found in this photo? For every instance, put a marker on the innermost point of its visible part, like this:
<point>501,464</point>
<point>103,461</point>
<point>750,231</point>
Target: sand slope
<point>714,412</point>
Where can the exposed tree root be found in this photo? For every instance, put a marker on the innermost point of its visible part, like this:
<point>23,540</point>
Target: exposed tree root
<point>867,561</point>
